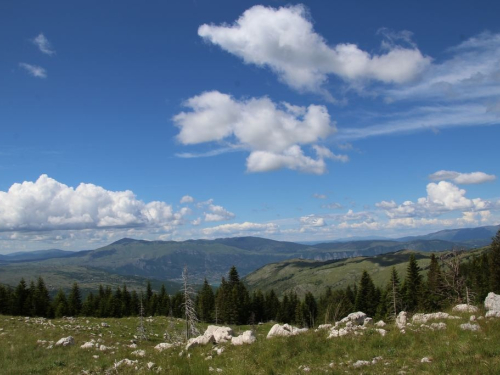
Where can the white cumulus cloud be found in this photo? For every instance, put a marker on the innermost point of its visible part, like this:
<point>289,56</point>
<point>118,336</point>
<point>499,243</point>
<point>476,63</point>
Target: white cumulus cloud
<point>462,178</point>
<point>187,199</point>
<point>284,40</point>
<point>47,204</point>
<point>273,133</point>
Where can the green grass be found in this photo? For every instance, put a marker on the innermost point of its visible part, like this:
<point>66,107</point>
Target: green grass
<point>452,351</point>
<point>302,276</point>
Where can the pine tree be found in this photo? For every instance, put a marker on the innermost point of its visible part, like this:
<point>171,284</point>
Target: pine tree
<point>494,263</point>
<point>310,309</point>
<point>21,295</point>
<point>272,306</point>
<point>434,286</point>
<point>41,300</point>
<point>74,301</point>
<point>412,284</point>
<point>205,302</point>
<point>366,298</point>
<point>60,304</point>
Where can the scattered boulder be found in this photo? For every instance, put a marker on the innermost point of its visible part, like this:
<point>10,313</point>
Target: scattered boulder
<point>382,332</point>
<point>87,345</point>
<point>438,326</point>
<point>401,320</point>
<point>246,337</point>
<point>425,360</point>
<point>106,325</point>
<point>163,346</point>
<point>492,314</point>
<point>66,341</point>
<point>284,330</point>
<point>465,308</point>
<point>200,340</point>
<point>360,363</point>
<point>470,327</point>
<point>221,334</point>
<point>125,362</point>
<point>151,365</point>
<point>380,324</point>
<point>492,302</point>
<point>356,318</point>
<point>324,326</point>
<point>424,318</point>
<point>139,353</point>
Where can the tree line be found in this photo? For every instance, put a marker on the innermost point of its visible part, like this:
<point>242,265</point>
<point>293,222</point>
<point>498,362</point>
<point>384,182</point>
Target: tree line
<point>448,280</point>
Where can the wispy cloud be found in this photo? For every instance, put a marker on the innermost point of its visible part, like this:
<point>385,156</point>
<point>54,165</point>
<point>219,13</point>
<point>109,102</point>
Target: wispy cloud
<point>43,44</point>
<point>34,70</point>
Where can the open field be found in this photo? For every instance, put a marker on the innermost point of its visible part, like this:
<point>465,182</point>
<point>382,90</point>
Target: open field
<point>452,351</point>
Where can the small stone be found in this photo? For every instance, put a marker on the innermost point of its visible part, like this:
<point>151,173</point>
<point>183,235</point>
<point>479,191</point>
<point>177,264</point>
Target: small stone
<point>425,360</point>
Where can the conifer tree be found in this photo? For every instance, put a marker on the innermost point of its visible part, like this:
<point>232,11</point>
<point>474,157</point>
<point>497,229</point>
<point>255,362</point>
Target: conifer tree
<point>434,286</point>
<point>21,295</point>
<point>41,300</point>
<point>60,304</point>
<point>272,305</point>
<point>412,284</point>
<point>310,309</point>
<point>366,298</point>
<point>494,263</point>
<point>205,302</point>
<point>74,300</point>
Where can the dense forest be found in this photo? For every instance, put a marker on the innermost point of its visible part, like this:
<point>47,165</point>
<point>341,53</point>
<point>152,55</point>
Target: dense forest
<point>448,280</point>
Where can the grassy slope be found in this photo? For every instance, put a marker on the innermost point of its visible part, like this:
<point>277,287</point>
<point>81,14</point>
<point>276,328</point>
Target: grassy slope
<point>452,351</point>
<point>313,276</point>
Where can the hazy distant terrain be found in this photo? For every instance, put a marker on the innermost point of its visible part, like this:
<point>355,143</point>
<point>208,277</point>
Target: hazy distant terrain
<point>133,261</point>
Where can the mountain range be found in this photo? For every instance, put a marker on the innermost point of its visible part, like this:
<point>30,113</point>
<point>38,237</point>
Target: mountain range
<point>210,259</point>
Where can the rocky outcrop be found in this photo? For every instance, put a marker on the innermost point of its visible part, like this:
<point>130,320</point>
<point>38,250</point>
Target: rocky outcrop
<point>221,334</point>
<point>284,330</point>
<point>470,327</point>
<point>163,346</point>
<point>200,340</point>
<point>356,318</point>
<point>424,318</point>
<point>465,308</point>
<point>246,337</point>
<point>66,341</point>
<point>492,304</point>
<point>401,320</point>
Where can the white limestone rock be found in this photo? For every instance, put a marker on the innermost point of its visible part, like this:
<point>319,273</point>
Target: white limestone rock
<point>200,340</point>
<point>126,362</point>
<point>139,353</point>
<point>401,320</point>
<point>492,302</point>
<point>246,337</point>
<point>465,308</point>
<point>380,324</point>
<point>360,363</point>
<point>470,327</point>
<point>221,334</point>
<point>356,318</point>
<point>492,314</point>
<point>324,326</point>
<point>438,326</point>
<point>163,346</point>
<point>87,345</point>
<point>426,360</point>
<point>382,332</point>
<point>284,330</point>
<point>66,341</point>
<point>424,318</point>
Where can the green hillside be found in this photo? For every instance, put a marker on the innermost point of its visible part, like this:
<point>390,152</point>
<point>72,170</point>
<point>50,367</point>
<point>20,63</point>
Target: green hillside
<point>304,276</point>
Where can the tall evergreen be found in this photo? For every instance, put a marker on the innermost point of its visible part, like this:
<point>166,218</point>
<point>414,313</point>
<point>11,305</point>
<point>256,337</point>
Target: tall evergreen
<point>494,263</point>
<point>393,299</point>
<point>310,309</point>
<point>434,286</point>
<point>20,298</point>
<point>41,300</point>
<point>366,298</point>
<point>412,285</point>
<point>60,304</point>
<point>205,302</point>
<point>74,301</point>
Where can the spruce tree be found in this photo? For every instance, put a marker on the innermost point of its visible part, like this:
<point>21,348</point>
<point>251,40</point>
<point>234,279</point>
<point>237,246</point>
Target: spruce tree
<point>412,284</point>
<point>74,301</point>
<point>366,298</point>
<point>393,299</point>
<point>205,302</point>
<point>20,297</point>
<point>310,309</point>
<point>434,286</point>
<point>494,263</point>
<point>41,300</point>
<point>60,304</point>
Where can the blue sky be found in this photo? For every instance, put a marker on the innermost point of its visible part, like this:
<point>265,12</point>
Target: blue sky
<point>205,119</point>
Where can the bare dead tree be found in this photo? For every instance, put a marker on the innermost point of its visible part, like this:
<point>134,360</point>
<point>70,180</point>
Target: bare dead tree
<point>141,330</point>
<point>189,306</point>
<point>454,283</point>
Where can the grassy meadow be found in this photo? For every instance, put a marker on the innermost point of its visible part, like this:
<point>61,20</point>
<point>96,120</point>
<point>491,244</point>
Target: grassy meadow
<point>452,351</point>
